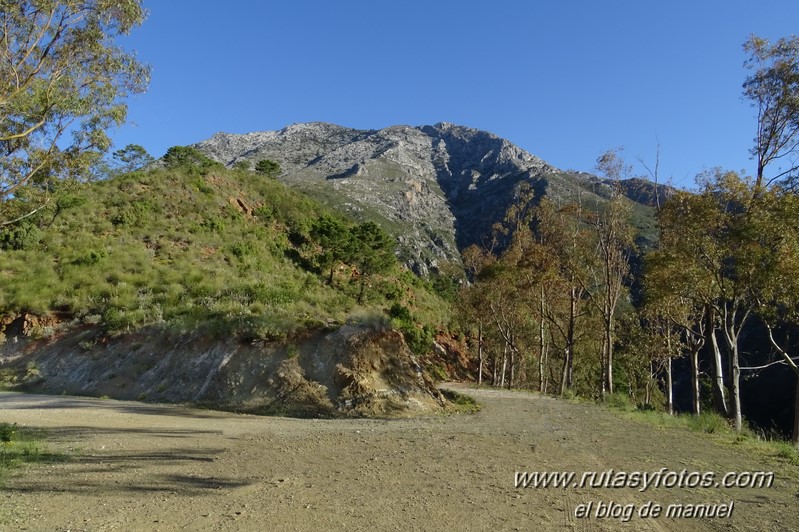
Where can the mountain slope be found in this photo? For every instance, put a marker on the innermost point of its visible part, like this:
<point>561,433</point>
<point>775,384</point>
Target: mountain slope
<point>438,188</point>
<point>197,283</point>
<point>182,244</point>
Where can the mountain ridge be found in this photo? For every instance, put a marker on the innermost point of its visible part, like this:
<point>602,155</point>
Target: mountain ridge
<point>438,189</point>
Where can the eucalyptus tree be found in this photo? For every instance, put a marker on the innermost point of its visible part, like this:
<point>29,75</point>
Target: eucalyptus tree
<point>683,275</point>
<point>773,228</point>
<point>614,237</point>
<point>63,83</point>
<point>773,89</point>
<point>567,261</point>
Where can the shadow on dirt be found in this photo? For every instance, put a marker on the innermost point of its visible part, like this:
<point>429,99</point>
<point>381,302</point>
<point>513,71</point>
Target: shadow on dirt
<point>9,400</point>
<point>95,472</point>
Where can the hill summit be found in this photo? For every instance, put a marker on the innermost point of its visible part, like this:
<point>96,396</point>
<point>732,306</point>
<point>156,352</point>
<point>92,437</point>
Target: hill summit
<point>438,188</point>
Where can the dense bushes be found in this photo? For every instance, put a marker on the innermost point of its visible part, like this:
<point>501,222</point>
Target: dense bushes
<point>188,158</point>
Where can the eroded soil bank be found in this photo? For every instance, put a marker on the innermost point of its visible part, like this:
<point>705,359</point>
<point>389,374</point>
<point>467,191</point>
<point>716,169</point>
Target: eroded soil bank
<point>134,466</point>
<point>349,370</point>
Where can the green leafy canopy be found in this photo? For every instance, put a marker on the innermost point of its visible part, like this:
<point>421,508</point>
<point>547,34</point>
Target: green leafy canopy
<point>63,83</point>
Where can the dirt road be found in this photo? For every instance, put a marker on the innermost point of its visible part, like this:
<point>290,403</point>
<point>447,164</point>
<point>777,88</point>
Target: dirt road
<point>134,466</point>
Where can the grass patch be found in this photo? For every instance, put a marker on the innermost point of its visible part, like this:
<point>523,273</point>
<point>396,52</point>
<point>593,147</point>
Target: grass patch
<point>708,422</point>
<point>463,403</point>
<point>720,428</point>
<point>787,451</point>
<point>21,445</point>
<point>620,401</point>
<point>569,395</point>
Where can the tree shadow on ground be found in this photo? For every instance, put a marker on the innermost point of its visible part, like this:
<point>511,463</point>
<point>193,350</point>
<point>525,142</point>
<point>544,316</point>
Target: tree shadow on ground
<point>126,472</point>
<point>9,400</point>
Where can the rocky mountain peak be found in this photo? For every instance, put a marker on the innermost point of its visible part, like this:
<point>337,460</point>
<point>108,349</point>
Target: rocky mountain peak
<point>438,188</point>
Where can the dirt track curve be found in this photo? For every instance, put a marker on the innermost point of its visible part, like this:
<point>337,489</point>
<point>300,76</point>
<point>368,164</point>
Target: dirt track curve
<point>134,466</point>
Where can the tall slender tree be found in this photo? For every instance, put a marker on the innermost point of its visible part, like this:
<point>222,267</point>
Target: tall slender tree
<point>773,89</point>
<point>614,237</point>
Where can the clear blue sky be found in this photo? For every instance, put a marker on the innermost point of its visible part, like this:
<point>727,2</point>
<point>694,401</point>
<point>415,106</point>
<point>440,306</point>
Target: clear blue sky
<point>564,79</point>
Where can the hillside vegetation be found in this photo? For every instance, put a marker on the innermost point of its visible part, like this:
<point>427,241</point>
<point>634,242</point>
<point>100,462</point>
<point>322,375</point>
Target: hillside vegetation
<point>193,243</point>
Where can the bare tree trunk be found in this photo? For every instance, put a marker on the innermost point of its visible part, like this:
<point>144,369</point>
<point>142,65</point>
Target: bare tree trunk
<point>669,387</point>
<point>609,346</point>
<point>610,365</point>
<point>541,346</point>
<point>719,398</point>
<point>790,362</point>
<point>695,381</point>
<point>795,437</point>
<point>494,370</point>
<point>603,365</point>
<point>571,331</point>
<point>563,377</point>
<point>504,366</point>
<point>669,376</point>
<point>695,338</point>
<point>735,390</point>
<point>513,363</point>
<point>732,329</point>
<point>480,353</point>
<point>545,369</point>
<point>541,366</point>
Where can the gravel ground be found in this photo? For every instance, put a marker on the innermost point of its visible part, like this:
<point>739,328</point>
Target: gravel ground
<point>134,466</point>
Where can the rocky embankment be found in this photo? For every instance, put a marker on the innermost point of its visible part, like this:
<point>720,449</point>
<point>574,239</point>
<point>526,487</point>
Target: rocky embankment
<point>351,371</point>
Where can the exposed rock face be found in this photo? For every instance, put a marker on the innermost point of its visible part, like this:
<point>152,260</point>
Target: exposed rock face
<point>351,371</point>
<point>438,188</point>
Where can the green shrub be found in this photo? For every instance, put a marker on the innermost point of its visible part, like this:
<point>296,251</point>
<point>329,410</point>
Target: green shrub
<point>569,394</point>
<point>92,257</point>
<point>265,212</point>
<point>267,168</point>
<point>213,225</point>
<point>462,402</point>
<point>8,432</point>
<point>620,401</point>
<point>709,422</point>
<point>787,451</point>
<point>242,166</point>
<point>121,320</point>
<point>445,286</point>
<point>419,338</point>
<point>188,157</point>
<point>401,313</point>
<point>19,236</point>
<point>242,249</point>
<point>70,201</point>
<point>124,216</point>
<point>202,186</point>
